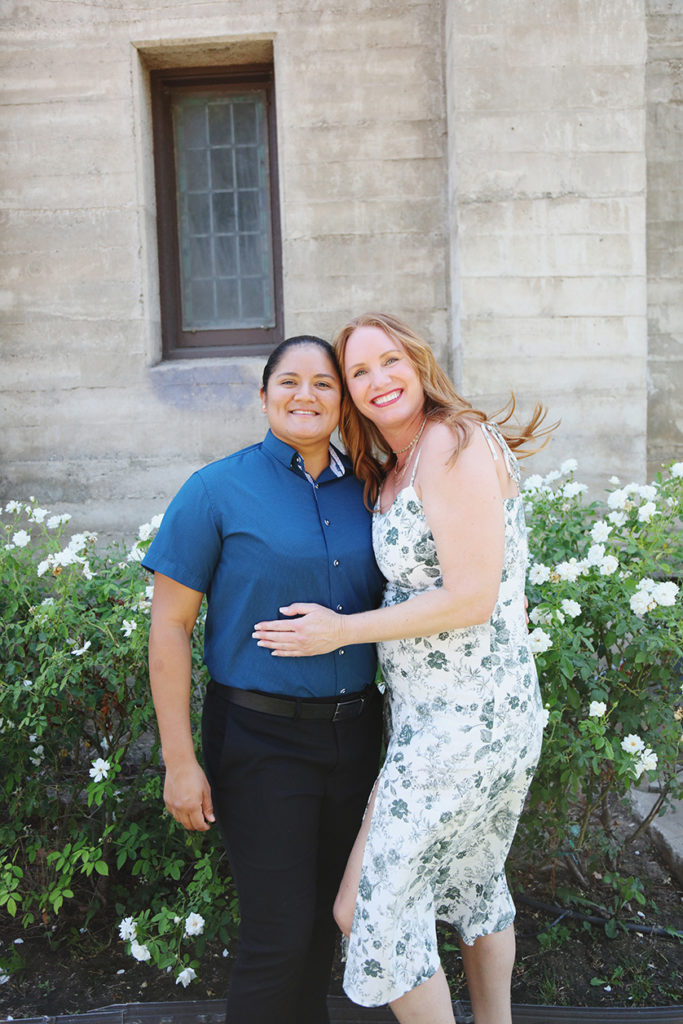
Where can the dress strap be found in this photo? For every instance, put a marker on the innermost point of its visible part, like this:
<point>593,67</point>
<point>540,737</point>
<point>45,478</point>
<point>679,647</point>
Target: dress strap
<point>417,460</point>
<point>492,432</point>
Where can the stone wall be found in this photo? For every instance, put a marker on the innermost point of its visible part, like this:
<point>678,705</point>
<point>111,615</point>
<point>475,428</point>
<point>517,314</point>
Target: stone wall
<point>91,420</point>
<point>547,164</point>
<point>478,168</point>
<point>665,231</point>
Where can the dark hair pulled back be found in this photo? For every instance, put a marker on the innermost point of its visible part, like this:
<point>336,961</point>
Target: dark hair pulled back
<point>299,339</point>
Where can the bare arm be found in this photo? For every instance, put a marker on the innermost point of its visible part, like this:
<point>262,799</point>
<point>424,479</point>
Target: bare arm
<point>464,509</point>
<point>174,612</point>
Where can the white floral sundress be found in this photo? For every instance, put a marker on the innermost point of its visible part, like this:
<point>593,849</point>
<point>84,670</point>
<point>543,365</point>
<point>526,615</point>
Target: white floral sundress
<point>466,729</point>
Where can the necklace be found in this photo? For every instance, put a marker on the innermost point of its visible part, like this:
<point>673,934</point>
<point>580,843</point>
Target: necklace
<point>413,442</point>
<point>399,473</point>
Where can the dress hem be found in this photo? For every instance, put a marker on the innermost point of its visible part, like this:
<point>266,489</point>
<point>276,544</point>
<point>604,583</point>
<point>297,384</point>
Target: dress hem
<point>386,1002</point>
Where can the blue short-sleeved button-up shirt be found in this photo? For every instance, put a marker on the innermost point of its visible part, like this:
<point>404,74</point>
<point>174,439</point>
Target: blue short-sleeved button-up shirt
<point>252,533</point>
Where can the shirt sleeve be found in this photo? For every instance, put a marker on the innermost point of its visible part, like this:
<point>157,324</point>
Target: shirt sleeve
<point>187,547</point>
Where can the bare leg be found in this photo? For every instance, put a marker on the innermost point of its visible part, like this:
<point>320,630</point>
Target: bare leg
<point>429,1003</point>
<point>345,903</point>
<point>488,968</point>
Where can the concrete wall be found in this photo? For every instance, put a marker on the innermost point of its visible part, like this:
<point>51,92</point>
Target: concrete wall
<point>477,167</point>
<point>547,163</point>
<point>89,416</point>
<point>665,231</point>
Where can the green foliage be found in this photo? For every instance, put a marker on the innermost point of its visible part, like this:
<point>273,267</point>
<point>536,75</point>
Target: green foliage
<point>554,937</point>
<point>82,824</point>
<point>606,630</point>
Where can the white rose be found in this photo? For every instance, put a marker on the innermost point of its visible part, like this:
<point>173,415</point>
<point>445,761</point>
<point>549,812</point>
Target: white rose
<point>609,565</point>
<point>596,553</point>
<point>186,976</point>
<point>100,769</point>
<point>665,593</point>
<point>38,514</point>
<point>572,489</point>
<point>600,531</point>
<point>139,951</point>
<point>569,571</point>
<point>136,554</point>
<point>533,482</point>
<point>597,709</point>
<point>641,602</point>
<point>127,929</point>
<point>647,511</point>
<point>539,573</point>
<point>647,762</point>
<point>571,608</point>
<point>632,744</point>
<point>539,641</point>
<point>194,924</point>
<point>617,499</point>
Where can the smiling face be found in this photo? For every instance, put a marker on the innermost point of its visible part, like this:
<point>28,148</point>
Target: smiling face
<point>382,381</point>
<point>302,398</point>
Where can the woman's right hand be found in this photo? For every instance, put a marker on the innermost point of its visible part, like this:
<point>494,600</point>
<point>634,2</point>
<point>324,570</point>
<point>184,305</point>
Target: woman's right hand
<point>187,796</point>
<point>174,612</point>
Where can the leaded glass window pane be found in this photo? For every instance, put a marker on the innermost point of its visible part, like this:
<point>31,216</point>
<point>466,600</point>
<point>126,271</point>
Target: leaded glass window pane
<point>224,217</point>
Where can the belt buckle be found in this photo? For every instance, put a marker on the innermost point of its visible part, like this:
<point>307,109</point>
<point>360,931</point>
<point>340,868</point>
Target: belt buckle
<point>339,714</point>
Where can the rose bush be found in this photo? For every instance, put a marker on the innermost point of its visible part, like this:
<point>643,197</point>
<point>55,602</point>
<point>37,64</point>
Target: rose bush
<point>605,615</point>
<point>83,825</point>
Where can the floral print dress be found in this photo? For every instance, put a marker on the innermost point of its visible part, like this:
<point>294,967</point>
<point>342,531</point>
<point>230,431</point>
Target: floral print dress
<point>466,728</point>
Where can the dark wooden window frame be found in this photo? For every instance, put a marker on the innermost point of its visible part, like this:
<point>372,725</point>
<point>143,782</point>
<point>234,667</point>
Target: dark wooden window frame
<point>177,343</point>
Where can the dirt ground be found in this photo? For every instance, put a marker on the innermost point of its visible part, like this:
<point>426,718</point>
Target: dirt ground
<point>560,960</point>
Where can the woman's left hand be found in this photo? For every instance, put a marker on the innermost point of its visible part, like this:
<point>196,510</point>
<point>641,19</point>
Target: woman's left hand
<point>318,630</point>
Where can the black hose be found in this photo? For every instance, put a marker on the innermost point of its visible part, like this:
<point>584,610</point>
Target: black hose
<point>550,908</point>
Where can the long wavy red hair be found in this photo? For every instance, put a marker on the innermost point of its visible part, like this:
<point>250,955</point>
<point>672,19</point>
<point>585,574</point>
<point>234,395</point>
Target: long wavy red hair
<point>371,455</point>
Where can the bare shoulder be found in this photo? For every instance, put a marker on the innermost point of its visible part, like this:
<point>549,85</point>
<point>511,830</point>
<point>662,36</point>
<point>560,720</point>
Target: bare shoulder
<point>441,440</point>
<point>473,465</point>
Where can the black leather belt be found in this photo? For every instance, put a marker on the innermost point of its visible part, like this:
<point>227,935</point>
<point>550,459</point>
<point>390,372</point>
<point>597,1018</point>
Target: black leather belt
<point>292,707</point>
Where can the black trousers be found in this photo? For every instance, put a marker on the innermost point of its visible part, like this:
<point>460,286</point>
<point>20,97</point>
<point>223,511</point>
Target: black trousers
<point>289,796</point>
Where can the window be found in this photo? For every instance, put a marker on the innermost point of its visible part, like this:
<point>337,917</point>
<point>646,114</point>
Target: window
<point>217,212</point>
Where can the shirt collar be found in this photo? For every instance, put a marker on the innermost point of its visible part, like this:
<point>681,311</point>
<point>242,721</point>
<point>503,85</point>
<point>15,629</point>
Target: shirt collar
<point>340,464</point>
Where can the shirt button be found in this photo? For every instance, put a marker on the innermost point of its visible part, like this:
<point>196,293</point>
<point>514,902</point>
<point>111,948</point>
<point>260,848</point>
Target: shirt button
<point>336,562</point>
<point>327,522</point>
<point>342,691</point>
<point>342,651</point>
<point>340,607</point>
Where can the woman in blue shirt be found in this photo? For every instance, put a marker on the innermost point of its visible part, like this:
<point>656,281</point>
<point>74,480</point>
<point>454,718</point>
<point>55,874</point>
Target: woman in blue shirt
<point>290,749</point>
